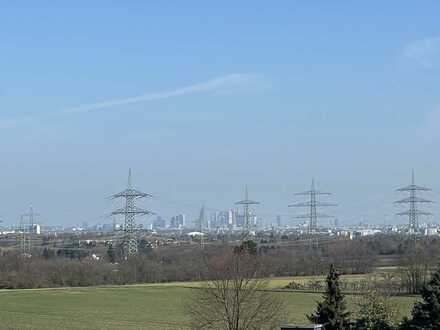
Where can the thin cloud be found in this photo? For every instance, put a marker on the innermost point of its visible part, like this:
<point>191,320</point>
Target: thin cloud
<point>227,83</point>
<point>424,52</point>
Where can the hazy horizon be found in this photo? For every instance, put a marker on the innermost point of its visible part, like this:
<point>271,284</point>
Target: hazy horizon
<point>199,100</point>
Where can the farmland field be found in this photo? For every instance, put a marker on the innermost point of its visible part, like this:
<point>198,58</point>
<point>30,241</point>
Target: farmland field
<point>127,307</point>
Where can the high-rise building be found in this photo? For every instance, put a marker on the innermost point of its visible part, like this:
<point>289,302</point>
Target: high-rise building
<point>231,217</point>
<point>279,221</point>
<point>178,221</point>
<point>159,223</point>
<point>212,222</point>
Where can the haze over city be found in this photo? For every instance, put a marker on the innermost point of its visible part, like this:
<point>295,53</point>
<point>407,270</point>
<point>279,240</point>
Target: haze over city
<point>200,100</point>
<point>201,165</point>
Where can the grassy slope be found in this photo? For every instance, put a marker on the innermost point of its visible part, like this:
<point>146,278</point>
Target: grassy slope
<point>129,307</point>
<point>92,308</point>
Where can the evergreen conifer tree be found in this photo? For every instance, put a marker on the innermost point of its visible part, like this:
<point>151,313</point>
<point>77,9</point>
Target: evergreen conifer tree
<point>332,311</point>
<point>426,314</point>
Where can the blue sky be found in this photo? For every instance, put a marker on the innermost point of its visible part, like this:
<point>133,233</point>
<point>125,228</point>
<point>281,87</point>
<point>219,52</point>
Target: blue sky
<point>201,99</point>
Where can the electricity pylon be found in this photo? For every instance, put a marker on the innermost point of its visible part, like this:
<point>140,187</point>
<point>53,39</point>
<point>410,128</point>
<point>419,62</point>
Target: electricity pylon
<point>23,237</point>
<point>413,212</point>
<point>130,211</point>
<point>246,202</point>
<point>27,222</point>
<point>312,204</point>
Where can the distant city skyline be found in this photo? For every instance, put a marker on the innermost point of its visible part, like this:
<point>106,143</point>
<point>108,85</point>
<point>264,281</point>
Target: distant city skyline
<point>200,100</point>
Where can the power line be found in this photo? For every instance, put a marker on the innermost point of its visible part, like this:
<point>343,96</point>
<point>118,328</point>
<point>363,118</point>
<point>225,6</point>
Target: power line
<point>26,229</point>
<point>313,205</point>
<point>413,212</point>
<point>130,211</point>
<point>246,202</point>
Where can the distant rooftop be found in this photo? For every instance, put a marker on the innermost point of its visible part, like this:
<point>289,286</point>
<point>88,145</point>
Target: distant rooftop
<point>302,327</point>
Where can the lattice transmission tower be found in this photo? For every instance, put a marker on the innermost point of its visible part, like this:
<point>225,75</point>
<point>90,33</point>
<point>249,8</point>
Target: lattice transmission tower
<point>23,237</point>
<point>246,202</point>
<point>26,229</point>
<point>312,204</point>
<point>413,201</point>
<point>130,211</point>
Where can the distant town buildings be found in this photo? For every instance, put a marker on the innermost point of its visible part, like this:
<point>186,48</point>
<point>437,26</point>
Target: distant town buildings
<point>178,221</point>
<point>159,223</point>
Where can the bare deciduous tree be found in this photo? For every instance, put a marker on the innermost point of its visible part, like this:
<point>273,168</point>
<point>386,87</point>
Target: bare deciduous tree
<point>236,297</point>
<point>415,266</point>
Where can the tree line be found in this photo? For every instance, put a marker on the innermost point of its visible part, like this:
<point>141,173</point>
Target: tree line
<point>238,298</point>
<point>75,265</point>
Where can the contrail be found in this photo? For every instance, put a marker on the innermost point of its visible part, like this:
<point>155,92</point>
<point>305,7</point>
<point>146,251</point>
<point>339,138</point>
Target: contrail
<point>219,84</point>
<point>227,83</point>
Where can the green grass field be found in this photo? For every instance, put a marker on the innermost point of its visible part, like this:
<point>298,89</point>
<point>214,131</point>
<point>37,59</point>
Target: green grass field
<point>125,307</point>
